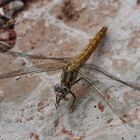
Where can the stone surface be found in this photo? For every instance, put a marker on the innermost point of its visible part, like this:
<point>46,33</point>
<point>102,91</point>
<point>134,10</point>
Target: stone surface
<point>63,28</point>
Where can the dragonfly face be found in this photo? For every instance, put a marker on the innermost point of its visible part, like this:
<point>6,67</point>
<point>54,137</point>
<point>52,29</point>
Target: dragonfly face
<point>61,93</point>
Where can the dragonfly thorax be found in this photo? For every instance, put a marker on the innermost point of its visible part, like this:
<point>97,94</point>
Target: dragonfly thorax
<point>69,75</point>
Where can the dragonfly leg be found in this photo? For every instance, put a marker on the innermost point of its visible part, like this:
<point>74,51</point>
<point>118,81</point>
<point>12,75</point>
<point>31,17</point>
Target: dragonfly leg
<point>74,99</point>
<point>57,102</point>
<point>77,81</point>
<point>95,82</point>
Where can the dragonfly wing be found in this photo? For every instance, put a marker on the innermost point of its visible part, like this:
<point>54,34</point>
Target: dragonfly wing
<point>26,55</point>
<point>109,102</point>
<point>30,56</point>
<point>96,68</point>
<point>33,69</point>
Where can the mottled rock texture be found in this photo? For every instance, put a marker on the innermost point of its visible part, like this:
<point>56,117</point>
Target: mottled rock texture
<point>63,28</point>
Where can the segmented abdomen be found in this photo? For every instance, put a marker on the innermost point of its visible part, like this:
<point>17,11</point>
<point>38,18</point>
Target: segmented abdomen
<point>87,52</point>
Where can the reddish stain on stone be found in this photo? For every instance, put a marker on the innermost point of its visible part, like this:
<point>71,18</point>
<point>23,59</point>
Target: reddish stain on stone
<point>68,11</point>
<point>138,2</point>
<point>34,136</point>
<point>106,97</point>
<point>67,132</point>
<point>41,105</point>
<point>101,107</point>
<point>7,34</point>
<point>80,14</point>
<point>9,37</point>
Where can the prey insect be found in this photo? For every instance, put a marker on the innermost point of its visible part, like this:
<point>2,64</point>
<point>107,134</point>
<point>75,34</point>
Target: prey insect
<point>71,70</point>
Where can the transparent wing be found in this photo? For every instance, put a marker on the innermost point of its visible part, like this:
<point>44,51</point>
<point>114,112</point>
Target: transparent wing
<point>58,63</point>
<point>30,56</point>
<point>110,103</point>
<point>33,69</point>
<point>96,68</point>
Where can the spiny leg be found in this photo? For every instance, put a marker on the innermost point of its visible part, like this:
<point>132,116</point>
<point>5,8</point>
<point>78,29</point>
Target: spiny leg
<point>57,102</point>
<point>74,99</point>
<point>77,81</point>
<point>96,81</point>
<point>93,82</point>
<point>99,95</point>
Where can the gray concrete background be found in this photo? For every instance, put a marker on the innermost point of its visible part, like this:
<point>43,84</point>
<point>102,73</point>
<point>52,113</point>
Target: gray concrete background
<point>27,110</point>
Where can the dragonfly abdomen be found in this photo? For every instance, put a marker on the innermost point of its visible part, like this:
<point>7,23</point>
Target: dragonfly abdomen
<point>91,47</point>
<point>71,70</point>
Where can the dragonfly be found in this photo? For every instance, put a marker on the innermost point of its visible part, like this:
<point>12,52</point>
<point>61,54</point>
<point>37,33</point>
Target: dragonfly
<point>71,67</point>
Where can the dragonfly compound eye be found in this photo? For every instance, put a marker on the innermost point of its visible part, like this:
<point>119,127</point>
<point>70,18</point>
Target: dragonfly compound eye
<point>58,91</point>
<point>61,91</point>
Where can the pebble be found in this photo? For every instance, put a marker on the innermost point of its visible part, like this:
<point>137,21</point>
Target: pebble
<point>3,2</point>
<point>16,5</point>
<point>18,77</point>
<point>10,8</point>
<point>7,34</point>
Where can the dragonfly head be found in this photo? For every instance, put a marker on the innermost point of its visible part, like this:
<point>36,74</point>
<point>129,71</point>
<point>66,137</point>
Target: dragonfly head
<point>61,93</point>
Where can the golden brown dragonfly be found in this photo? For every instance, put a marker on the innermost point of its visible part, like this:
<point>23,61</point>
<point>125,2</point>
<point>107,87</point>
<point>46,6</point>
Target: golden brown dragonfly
<point>71,70</point>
